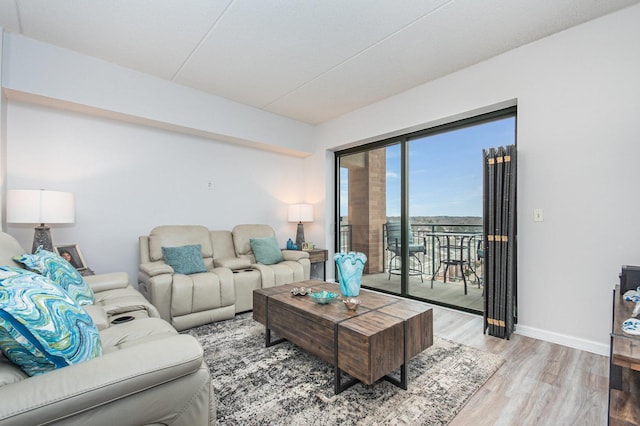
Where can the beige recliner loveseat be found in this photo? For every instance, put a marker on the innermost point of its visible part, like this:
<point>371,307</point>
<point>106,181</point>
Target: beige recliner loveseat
<point>147,373</point>
<point>232,273</point>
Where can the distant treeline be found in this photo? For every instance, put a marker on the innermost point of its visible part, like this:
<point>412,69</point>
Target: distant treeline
<point>441,220</point>
<point>438,223</point>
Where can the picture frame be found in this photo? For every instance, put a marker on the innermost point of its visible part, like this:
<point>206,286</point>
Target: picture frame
<point>71,253</point>
<point>307,245</point>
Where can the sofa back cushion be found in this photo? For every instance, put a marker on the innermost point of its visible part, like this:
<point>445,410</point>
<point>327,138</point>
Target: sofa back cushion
<point>242,235</point>
<point>222,245</point>
<point>177,236</point>
<point>224,252</point>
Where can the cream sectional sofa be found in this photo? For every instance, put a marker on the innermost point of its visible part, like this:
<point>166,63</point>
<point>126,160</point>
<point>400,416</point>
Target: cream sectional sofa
<point>147,373</point>
<point>226,287</point>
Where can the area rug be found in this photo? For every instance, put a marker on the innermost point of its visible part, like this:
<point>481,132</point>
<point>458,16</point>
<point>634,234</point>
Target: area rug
<point>285,385</point>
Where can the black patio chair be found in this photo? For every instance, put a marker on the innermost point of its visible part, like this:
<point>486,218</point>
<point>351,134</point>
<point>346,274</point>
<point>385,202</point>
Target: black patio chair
<point>394,246</point>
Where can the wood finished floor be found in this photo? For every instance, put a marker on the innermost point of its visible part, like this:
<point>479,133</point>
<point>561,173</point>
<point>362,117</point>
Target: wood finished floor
<point>540,383</point>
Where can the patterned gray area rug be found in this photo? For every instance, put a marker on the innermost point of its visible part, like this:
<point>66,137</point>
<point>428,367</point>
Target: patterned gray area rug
<point>285,385</point>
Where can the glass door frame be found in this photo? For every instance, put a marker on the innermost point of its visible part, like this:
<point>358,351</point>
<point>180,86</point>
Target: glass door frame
<point>403,141</point>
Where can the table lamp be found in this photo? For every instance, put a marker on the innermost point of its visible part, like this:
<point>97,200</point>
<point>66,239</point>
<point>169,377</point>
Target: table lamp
<point>300,213</point>
<point>40,207</point>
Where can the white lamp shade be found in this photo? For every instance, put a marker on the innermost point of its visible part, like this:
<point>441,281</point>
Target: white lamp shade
<point>40,206</point>
<point>300,213</point>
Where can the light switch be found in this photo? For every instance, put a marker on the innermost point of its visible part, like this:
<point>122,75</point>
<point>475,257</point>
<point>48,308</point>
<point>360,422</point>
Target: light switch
<point>538,215</point>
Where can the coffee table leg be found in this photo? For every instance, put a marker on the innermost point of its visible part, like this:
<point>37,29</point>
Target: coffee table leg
<point>267,338</point>
<point>403,382</point>
<point>338,386</point>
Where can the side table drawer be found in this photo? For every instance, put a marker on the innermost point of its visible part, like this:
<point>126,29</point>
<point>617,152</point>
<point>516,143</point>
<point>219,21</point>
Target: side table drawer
<point>317,256</point>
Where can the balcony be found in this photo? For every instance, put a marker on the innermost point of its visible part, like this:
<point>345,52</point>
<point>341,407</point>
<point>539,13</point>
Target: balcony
<point>457,246</point>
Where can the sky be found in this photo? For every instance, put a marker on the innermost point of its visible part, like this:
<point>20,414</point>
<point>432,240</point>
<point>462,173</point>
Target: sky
<point>445,171</point>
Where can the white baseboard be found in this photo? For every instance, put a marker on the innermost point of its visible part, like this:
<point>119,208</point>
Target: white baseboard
<point>563,339</point>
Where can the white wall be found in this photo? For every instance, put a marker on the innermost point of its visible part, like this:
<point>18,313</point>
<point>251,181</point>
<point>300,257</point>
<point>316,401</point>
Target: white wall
<point>139,152</point>
<point>129,178</point>
<point>578,97</point>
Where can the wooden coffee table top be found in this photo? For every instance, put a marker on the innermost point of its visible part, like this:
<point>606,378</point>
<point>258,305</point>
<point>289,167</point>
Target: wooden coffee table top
<point>380,336</point>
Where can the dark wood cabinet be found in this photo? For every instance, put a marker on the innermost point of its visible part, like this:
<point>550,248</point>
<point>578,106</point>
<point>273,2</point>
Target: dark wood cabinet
<point>624,368</point>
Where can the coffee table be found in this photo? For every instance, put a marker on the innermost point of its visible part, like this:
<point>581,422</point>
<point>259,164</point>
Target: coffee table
<point>380,337</point>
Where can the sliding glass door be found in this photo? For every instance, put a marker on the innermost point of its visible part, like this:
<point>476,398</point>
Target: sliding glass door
<point>413,205</point>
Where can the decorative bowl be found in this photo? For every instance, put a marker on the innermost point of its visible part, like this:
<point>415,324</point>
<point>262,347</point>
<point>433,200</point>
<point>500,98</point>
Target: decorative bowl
<point>351,303</point>
<point>323,297</point>
<point>300,291</point>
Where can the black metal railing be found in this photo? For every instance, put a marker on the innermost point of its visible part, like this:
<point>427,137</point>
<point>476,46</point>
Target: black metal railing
<point>468,237</point>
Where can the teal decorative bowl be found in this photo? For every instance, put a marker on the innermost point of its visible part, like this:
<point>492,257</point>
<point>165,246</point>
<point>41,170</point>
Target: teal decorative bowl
<point>323,297</point>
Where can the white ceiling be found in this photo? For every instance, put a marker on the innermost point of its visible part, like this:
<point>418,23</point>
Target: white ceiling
<point>309,60</point>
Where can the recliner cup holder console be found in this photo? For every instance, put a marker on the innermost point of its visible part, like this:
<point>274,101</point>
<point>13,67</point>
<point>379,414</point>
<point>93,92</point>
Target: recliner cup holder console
<point>120,320</point>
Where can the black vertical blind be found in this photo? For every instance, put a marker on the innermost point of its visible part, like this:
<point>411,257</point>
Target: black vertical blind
<point>499,204</point>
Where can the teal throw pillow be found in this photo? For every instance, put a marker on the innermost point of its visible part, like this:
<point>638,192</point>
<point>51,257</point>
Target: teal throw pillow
<point>185,259</point>
<point>59,271</point>
<point>41,327</point>
<point>266,250</point>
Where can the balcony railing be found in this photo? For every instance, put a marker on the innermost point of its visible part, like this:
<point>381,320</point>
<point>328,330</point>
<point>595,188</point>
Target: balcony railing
<point>464,241</point>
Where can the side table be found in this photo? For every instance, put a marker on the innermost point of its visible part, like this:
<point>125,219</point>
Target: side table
<point>85,272</point>
<point>317,255</point>
<point>624,369</point>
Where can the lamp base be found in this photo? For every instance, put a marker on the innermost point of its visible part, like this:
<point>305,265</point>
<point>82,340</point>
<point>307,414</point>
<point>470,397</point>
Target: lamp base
<point>42,237</point>
<point>300,236</point>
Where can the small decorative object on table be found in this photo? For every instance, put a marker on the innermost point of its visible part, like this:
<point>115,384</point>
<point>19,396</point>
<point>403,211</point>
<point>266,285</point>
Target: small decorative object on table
<point>351,303</point>
<point>632,295</point>
<point>350,267</point>
<point>290,244</point>
<point>631,326</point>
<point>300,291</point>
<point>71,253</point>
<point>323,297</point>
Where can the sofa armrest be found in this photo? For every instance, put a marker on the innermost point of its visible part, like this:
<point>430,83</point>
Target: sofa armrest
<point>158,291</point>
<point>294,255</point>
<point>110,281</point>
<point>233,263</point>
<point>61,393</point>
<point>98,316</point>
<point>156,268</point>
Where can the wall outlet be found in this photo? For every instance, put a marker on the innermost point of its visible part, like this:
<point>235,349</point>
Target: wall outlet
<point>210,185</point>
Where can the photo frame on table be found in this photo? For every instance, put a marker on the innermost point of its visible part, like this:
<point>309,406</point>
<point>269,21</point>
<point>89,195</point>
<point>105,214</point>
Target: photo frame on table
<point>71,253</point>
<point>307,245</point>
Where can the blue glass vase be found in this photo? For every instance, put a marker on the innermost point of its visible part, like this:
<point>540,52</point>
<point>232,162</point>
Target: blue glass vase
<point>350,267</point>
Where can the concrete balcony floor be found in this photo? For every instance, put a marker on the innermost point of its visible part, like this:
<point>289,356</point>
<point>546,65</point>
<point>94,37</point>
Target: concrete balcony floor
<point>449,293</point>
